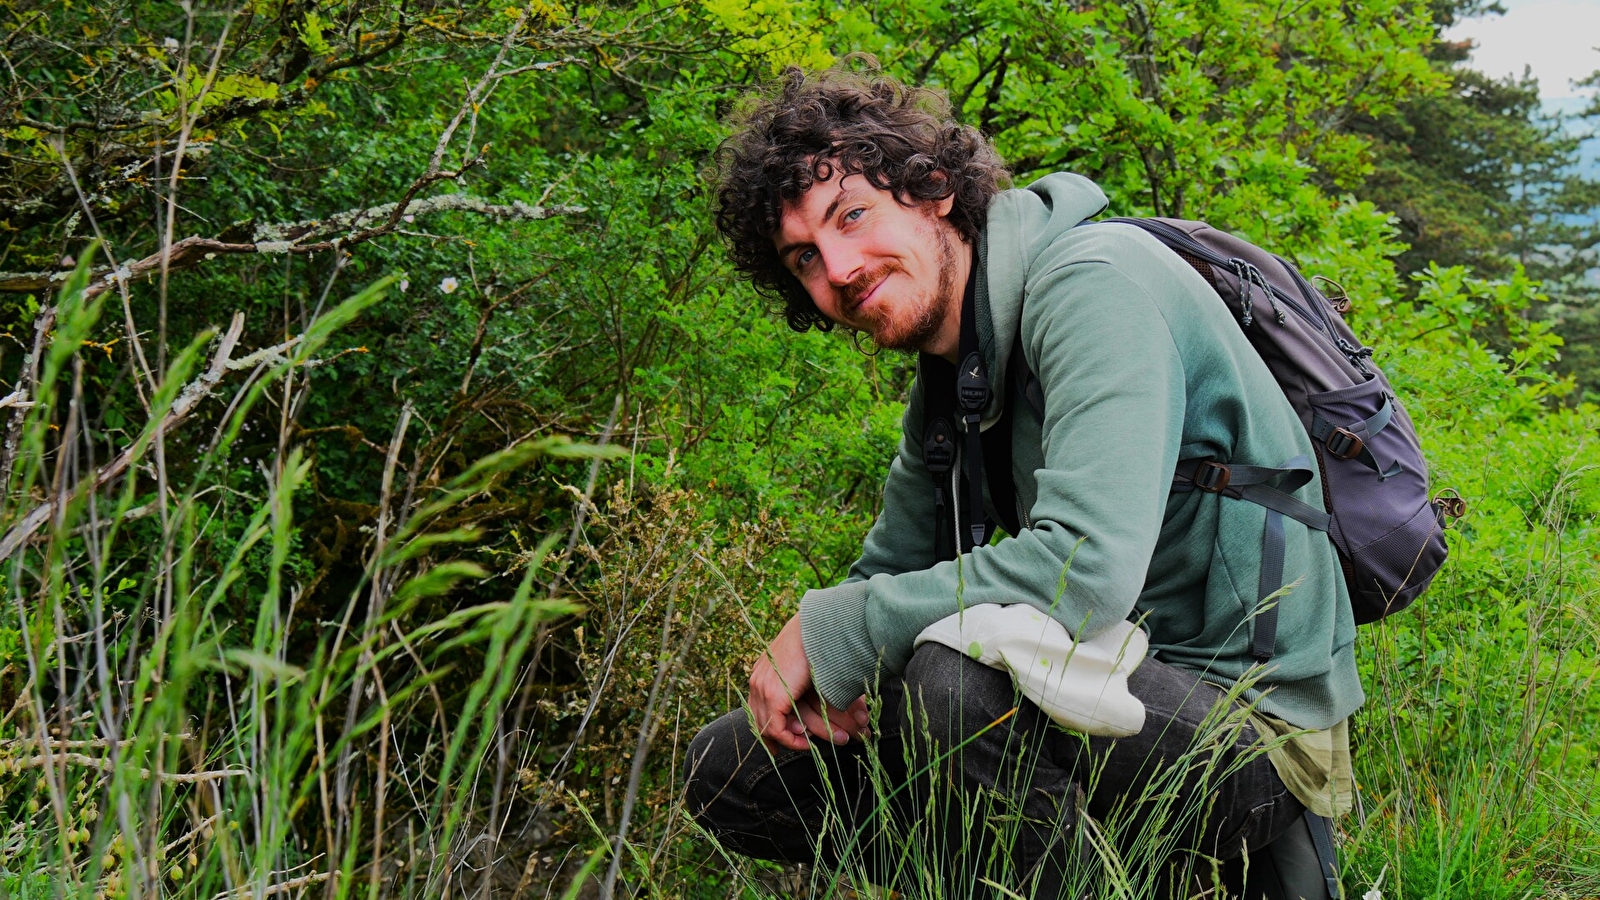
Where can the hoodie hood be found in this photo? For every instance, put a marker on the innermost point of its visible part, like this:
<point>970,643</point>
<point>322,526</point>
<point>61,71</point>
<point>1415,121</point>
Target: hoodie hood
<point>1021,224</point>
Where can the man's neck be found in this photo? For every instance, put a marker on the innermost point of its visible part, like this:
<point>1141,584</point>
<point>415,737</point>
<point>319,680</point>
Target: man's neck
<point>947,343</point>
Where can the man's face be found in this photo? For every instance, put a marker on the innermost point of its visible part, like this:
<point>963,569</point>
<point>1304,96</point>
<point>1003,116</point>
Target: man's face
<point>875,265</point>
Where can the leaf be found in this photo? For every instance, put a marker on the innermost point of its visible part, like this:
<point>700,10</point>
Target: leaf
<point>439,580</point>
<point>310,31</point>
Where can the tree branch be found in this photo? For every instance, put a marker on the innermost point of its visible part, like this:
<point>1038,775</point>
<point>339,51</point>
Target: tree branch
<point>106,765</point>
<point>289,237</point>
<point>246,893</point>
<point>191,396</point>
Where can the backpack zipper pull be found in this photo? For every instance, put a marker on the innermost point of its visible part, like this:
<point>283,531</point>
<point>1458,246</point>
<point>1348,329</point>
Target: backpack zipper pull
<point>1246,294</point>
<point>1277,311</point>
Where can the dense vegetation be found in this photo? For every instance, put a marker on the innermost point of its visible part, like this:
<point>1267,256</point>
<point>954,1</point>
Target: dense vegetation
<point>396,477</point>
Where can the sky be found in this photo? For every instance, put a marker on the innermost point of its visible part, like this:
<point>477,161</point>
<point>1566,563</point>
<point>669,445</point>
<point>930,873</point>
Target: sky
<point>1556,37</point>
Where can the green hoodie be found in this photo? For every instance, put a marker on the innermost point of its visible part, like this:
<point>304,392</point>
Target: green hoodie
<point>1141,365</point>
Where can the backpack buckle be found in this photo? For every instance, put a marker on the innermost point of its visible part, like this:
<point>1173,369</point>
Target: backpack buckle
<point>939,447</point>
<point>1344,443</point>
<point>972,385</point>
<point>1211,476</point>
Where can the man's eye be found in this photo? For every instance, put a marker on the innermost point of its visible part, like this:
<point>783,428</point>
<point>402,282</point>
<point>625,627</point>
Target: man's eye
<point>853,214</point>
<point>804,258</point>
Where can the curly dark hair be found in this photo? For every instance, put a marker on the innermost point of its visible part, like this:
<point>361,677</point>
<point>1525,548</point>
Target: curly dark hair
<point>807,127</point>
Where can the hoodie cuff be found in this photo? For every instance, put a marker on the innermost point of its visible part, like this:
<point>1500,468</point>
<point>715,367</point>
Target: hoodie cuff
<point>833,628</point>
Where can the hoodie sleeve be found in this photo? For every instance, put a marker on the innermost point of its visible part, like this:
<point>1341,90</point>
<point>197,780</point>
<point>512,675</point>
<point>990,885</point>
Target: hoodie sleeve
<point>1114,410</point>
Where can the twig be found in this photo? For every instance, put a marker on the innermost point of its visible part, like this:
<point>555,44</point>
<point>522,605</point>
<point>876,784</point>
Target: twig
<point>246,893</point>
<point>106,765</point>
<point>349,219</point>
<point>27,377</point>
<point>191,834</point>
<point>288,237</point>
<point>191,396</point>
<point>585,501</point>
<point>18,399</point>
<point>97,744</point>
<point>470,103</point>
<point>647,727</point>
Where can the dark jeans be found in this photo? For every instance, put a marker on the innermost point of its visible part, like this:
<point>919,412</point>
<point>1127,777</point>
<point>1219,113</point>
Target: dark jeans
<point>964,781</point>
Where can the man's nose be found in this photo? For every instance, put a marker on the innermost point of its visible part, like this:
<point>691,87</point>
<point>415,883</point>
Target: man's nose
<point>843,262</point>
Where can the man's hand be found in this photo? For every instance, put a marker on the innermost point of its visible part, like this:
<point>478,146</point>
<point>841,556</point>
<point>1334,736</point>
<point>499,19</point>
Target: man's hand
<point>785,704</point>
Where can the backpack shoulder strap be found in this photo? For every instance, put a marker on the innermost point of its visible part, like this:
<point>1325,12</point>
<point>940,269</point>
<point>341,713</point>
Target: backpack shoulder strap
<point>938,379</point>
<point>1254,484</point>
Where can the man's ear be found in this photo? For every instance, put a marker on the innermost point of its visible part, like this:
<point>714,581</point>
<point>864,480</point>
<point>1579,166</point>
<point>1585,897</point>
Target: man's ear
<point>943,207</point>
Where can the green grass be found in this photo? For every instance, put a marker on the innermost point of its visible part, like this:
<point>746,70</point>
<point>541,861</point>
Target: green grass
<point>175,722</point>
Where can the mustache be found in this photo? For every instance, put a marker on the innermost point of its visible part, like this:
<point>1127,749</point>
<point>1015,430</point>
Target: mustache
<point>863,284</point>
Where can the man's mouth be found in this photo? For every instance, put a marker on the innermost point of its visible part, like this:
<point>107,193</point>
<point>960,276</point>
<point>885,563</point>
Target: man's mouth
<point>855,299</point>
<point>862,299</point>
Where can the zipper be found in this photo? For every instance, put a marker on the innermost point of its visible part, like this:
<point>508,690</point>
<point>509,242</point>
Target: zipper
<point>1356,354</point>
<point>1190,245</point>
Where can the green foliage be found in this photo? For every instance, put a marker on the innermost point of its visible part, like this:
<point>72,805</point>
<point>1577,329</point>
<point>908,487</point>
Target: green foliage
<point>142,744</point>
<point>1479,700</point>
<point>340,571</point>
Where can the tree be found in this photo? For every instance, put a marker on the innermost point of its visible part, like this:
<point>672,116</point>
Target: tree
<point>1478,175</point>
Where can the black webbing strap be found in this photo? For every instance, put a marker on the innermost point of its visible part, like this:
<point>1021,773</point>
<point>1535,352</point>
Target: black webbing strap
<point>1252,484</point>
<point>939,446</point>
<point>1327,862</point>
<point>997,456</point>
<point>949,391</point>
<point>972,395</point>
<point>1269,581</point>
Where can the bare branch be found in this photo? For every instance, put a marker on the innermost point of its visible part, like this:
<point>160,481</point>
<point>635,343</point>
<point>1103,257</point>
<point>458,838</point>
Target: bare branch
<point>97,744</point>
<point>191,396</point>
<point>470,103</point>
<point>288,237</point>
<point>348,220</point>
<point>18,399</point>
<point>246,893</point>
<point>106,765</point>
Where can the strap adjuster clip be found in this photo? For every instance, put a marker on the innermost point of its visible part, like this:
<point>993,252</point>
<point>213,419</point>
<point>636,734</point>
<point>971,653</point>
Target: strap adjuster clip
<point>1450,504</point>
<point>1211,476</point>
<point>939,448</point>
<point>1344,443</point>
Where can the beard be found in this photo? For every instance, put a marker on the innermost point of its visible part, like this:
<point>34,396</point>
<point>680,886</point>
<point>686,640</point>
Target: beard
<point>927,316</point>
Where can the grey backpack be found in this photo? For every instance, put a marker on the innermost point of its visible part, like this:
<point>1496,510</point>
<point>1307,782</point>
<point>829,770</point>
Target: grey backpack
<point>1388,531</point>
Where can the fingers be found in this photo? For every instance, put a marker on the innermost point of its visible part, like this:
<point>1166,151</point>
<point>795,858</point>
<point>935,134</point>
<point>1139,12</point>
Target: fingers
<point>832,724</point>
<point>792,725</point>
<point>781,674</point>
<point>785,706</point>
<point>772,711</point>
<point>818,724</point>
<point>859,716</point>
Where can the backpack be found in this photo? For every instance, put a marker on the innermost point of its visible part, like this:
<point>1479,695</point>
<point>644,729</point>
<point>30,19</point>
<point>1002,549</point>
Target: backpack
<point>1386,528</point>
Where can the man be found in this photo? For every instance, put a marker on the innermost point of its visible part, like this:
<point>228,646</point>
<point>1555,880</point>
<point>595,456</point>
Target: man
<point>861,204</point>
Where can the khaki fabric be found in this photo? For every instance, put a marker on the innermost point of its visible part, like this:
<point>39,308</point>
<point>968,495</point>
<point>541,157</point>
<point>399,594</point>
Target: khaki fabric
<point>1314,765</point>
